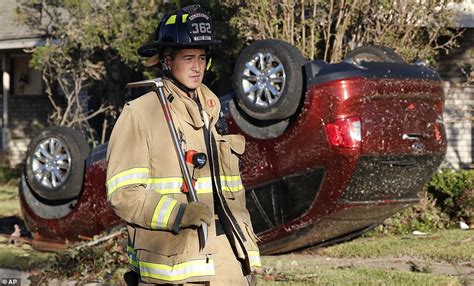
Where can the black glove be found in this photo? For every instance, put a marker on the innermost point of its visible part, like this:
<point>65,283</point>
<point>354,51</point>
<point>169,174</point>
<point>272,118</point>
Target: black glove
<point>195,213</point>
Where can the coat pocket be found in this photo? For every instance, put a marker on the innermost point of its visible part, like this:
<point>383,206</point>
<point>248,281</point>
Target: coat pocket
<point>230,148</point>
<point>160,242</point>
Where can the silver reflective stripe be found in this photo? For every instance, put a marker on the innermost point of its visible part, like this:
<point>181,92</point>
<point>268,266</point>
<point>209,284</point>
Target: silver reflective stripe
<point>204,267</point>
<point>204,185</point>
<point>162,213</point>
<point>165,185</point>
<point>172,185</point>
<point>233,183</point>
<point>135,176</point>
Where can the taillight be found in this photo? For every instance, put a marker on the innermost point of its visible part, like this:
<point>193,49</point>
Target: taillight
<point>438,136</point>
<point>440,107</point>
<point>345,132</point>
<point>438,127</point>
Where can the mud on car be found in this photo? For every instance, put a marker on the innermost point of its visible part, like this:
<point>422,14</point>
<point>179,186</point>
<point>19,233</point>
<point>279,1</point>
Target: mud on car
<point>332,149</point>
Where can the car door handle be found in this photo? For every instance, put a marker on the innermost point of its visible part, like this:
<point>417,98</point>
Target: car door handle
<point>412,136</point>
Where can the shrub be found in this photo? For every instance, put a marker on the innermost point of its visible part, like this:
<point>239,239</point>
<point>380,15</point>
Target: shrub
<point>445,200</point>
<point>454,193</point>
<point>425,216</point>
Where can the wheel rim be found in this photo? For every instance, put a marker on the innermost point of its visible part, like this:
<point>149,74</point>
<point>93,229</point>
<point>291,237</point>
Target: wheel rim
<point>263,80</point>
<point>51,162</point>
<point>367,57</point>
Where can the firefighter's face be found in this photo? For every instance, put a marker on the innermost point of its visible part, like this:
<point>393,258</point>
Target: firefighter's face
<point>188,66</point>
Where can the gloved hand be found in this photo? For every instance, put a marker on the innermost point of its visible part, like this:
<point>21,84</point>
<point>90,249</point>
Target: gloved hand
<point>195,213</point>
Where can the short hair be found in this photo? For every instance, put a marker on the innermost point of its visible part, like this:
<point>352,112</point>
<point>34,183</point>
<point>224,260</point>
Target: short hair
<point>172,51</point>
<point>168,52</point>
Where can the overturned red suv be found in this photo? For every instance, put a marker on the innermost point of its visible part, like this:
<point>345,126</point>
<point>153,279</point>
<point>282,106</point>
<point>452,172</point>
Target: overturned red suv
<point>332,149</point>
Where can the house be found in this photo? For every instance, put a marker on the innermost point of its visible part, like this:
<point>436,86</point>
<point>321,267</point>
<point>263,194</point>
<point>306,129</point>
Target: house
<point>23,104</point>
<point>457,71</point>
<point>25,107</point>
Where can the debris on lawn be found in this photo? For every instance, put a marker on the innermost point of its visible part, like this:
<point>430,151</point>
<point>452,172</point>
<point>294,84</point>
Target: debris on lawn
<point>416,232</point>
<point>94,260</point>
<point>463,225</point>
<point>414,267</point>
<point>36,244</point>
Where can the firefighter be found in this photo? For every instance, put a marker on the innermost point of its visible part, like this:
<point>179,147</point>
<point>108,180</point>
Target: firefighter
<point>145,183</point>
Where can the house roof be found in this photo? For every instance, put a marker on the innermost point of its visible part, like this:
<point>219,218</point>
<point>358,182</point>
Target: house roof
<point>464,14</point>
<point>13,34</point>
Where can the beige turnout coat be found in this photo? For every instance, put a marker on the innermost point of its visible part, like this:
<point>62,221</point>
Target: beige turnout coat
<point>144,187</point>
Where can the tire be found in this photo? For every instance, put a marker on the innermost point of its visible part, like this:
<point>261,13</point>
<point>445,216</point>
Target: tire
<point>55,163</point>
<point>268,80</point>
<point>374,53</point>
<point>260,129</point>
<point>46,209</point>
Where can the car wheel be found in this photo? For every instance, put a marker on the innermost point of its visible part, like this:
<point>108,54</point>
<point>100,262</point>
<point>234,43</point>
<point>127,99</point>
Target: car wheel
<point>268,80</point>
<point>259,129</point>
<point>374,53</point>
<point>55,163</point>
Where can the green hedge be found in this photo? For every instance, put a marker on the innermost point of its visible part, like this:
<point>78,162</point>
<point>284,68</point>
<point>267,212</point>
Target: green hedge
<point>445,200</point>
<point>454,193</point>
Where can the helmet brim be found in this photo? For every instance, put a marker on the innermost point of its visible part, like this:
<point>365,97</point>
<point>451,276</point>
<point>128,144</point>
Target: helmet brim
<point>151,49</point>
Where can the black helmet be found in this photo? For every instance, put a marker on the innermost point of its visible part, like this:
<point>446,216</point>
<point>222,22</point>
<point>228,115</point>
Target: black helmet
<point>187,27</point>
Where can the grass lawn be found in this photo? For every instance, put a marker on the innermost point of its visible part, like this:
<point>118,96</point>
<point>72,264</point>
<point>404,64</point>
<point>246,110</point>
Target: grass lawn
<point>305,268</point>
<point>309,267</point>
<point>453,246</point>
<point>370,261</point>
<point>9,202</point>
<point>309,272</point>
<point>22,257</point>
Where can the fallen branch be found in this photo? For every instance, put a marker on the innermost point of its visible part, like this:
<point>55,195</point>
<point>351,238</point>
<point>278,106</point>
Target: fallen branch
<point>101,239</point>
<point>42,245</point>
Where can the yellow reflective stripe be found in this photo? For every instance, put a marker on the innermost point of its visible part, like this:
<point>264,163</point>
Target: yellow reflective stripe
<point>172,185</point>
<point>254,258</point>
<point>232,183</point>
<point>203,267</point>
<point>129,177</point>
<point>172,19</point>
<point>129,171</point>
<point>162,212</point>
<point>209,63</point>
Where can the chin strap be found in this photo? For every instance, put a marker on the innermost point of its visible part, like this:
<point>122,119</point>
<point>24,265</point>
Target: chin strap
<point>180,85</point>
<point>209,63</point>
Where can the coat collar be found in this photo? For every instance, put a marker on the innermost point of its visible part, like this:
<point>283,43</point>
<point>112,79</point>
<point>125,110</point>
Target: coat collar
<point>209,102</point>
<point>187,109</point>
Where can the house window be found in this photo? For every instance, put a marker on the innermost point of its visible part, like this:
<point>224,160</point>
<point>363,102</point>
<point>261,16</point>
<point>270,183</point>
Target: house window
<point>25,80</point>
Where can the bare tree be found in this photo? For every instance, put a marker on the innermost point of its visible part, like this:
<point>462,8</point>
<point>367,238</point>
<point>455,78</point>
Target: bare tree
<point>69,76</point>
<point>83,39</point>
<point>415,29</point>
